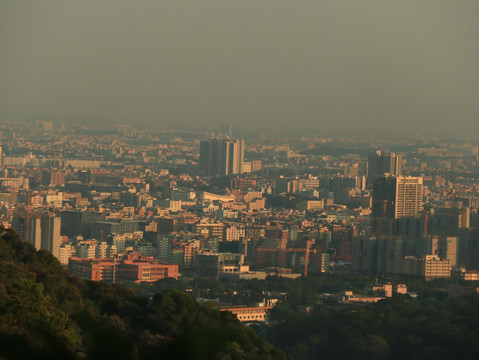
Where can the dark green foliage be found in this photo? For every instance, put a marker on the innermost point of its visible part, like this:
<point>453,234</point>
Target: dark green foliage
<point>397,328</point>
<point>46,314</point>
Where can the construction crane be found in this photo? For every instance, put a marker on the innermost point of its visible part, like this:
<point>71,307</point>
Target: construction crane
<point>306,251</point>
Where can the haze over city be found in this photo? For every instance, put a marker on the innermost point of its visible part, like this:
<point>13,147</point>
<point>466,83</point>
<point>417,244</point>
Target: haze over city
<point>243,180</point>
<point>298,67</point>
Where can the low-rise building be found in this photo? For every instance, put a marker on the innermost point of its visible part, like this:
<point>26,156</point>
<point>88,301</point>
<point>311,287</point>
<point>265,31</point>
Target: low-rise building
<point>258,313</point>
<point>131,268</point>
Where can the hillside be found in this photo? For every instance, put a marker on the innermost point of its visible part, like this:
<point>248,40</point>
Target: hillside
<point>45,313</point>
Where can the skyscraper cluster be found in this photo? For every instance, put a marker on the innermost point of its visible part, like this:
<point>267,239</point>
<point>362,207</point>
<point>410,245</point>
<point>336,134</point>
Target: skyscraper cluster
<point>219,157</point>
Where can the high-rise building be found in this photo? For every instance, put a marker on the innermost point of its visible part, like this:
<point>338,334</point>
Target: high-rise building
<point>396,197</point>
<point>409,191</point>
<point>33,233</point>
<point>43,231</point>
<point>1,158</point>
<point>53,178</point>
<point>381,163</point>
<point>50,225</point>
<point>221,157</point>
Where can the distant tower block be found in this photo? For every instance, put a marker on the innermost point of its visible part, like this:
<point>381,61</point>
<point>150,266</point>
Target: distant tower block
<point>396,197</point>
<point>1,158</point>
<point>220,157</point>
<point>381,163</point>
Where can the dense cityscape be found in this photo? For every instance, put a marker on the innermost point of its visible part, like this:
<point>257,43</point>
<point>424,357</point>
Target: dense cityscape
<point>236,221</point>
<point>239,180</point>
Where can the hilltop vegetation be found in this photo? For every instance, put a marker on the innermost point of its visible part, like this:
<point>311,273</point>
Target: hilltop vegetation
<point>397,328</point>
<point>45,313</point>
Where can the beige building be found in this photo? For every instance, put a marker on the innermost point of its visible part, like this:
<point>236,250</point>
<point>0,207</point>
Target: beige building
<point>312,205</point>
<point>430,267</point>
<point>395,197</point>
<point>435,268</point>
<point>235,232</point>
<point>467,275</point>
<point>260,312</point>
<point>409,190</point>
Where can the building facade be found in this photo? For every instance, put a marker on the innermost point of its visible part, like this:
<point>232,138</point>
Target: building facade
<point>220,157</point>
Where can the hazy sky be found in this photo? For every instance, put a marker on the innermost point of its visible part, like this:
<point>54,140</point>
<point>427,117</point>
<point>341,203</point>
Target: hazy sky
<point>308,65</point>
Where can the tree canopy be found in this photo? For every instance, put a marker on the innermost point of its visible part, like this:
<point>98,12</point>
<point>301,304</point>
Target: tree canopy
<point>45,313</point>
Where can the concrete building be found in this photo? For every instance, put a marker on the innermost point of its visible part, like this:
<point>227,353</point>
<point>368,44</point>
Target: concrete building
<point>436,268</point>
<point>164,246</point>
<point>43,231</point>
<point>103,270</point>
<point>259,313</point>
<point>86,249</point>
<point>214,264</point>
<point>1,159</point>
<point>31,233</point>
<point>234,232</point>
<point>285,185</point>
<point>79,222</point>
<point>101,230</point>
<point>139,270</point>
<point>395,197</point>
<point>430,267</point>
<point>312,205</point>
<point>66,252</point>
<point>53,178</point>
<point>209,230</point>
<point>446,247</point>
<point>55,200</point>
<point>132,268</point>
<point>219,157</point>
<point>380,163</point>
<point>130,199</point>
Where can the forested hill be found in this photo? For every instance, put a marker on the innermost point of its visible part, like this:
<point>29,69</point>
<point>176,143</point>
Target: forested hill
<point>397,328</point>
<point>47,314</point>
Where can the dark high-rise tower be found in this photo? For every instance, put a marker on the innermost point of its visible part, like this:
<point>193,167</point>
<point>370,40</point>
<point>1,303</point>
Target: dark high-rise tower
<point>381,163</point>
<point>50,237</point>
<point>221,157</point>
<point>1,158</point>
<point>43,231</point>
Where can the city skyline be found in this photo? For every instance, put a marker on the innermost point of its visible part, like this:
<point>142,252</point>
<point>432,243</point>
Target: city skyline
<point>225,179</point>
<point>220,218</point>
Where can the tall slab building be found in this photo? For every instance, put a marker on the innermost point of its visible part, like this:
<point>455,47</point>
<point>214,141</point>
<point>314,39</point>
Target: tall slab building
<point>219,157</point>
<point>51,238</point>
<point>395,197</point>
<point>41,230</point>
<point>1,159</point>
